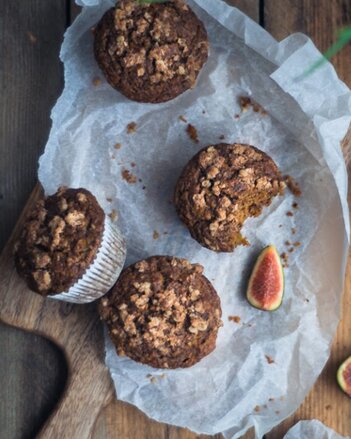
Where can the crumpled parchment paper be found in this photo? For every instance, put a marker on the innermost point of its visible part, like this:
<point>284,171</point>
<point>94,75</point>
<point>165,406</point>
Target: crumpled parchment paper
<point>312,430</point>
<point>265,364</point>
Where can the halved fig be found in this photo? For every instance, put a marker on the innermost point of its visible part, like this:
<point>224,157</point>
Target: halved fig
<point>344,376</point>
<point>266,285</point>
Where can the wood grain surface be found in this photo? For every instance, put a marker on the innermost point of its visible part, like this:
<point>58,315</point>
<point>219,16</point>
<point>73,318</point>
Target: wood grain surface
<point>33,373</point>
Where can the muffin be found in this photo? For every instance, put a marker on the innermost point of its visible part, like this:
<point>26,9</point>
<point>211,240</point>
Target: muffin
<point>163,312</point>
<point>220,188</point>
<point>151,52</point>
<point>69,249</point>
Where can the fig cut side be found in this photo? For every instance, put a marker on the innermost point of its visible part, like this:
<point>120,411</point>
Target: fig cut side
<point>344,376</point>
<point>266,285</point>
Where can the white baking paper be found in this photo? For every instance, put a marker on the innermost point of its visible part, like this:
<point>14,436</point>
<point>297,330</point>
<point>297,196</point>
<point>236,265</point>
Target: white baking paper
<point>237,386</point>
<point>312,430</point>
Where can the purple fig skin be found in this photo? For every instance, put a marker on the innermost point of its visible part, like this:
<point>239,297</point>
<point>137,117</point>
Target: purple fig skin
<point>344,376</point>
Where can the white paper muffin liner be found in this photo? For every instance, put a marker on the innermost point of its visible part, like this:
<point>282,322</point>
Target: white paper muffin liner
<point>104,270</point>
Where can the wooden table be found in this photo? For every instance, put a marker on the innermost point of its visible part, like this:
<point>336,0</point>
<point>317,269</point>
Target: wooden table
<point>33,371</point>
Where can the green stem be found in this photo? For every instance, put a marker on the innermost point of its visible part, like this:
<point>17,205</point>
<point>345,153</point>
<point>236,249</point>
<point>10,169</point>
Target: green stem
<point>344,37</point>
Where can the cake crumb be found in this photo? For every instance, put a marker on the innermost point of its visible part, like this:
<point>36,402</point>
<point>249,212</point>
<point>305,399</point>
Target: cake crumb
<point>117,146</point>
<point>133,164</point>
<point>32,38</point>
<point>287,243</point>
<point>153,380</point>
<point>96,82</point>
<point>163,375</point>
<point>131,128</point>
<point>143,188</point>
<point>183,119</point>
<point>109,199</point>
<point>92,30</point>
<point>277,412</point>
<point>113,157</point>
<point>292,185</point>
<point>295,205</point>
<point>271,399</point>
<point>289,213</point>
<point>280,225</point>
<point>203,112</point>
<point>257,409</point>
<point>192,133</point>
<point>291,249</point>
<point>293,230</point>
<point>269,359</point>
<point>155,235</point>
<point>113,215</point>
<point>235,319</point>
<point>221,137</point>
<point>246,103</point>
<point>297,244</point>
<point>128,176</point>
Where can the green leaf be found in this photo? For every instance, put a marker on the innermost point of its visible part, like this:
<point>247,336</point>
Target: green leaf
<point>344,37</point>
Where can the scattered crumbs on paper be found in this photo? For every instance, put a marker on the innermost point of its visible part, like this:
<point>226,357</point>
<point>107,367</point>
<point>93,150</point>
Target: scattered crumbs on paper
<point>246,103</point>
<point>257,409</point>
<point>133,164</point>
<point>292,185</point>
<point>113,215</point>
<point>131,128</point>
<point>32,38</point>
<point>96,82</point>
<point>109,199</point>
<point>289,213</point>
<point>307,300</point>
<point>280,225</point>
<point>287,243</point>
<point>269,359</point>
<point>192,133</point>
<point>297,244</point>
<point>295,205</point>
<point>277,412</point>
<point>151,378</point>
<point>293,230</point>
<point>143,188</point>
<point>271,399</point>
<point>235,319</point>
<point>291,249</point>
<point>203,112</point>
<point>155,235</point>
<point>284,258</point>
<point>128,176</point>
<point>221,137</point>
<point>236,116</point>
<point>183,119</point>
<point>140,180</point>
<point>117,146</point>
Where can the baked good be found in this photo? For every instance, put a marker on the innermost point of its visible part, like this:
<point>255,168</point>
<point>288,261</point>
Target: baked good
<point>65,243</point>
<point>220,188</point>
<point>163,312</point>
<point>151,52</point>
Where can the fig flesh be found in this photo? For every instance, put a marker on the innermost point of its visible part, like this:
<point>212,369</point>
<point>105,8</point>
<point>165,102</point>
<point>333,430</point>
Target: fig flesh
<point>266,285</point>
<point>344,376</point>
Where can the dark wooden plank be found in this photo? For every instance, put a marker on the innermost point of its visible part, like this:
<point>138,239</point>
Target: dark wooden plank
<point>32,369</point>
<point>320,20</point>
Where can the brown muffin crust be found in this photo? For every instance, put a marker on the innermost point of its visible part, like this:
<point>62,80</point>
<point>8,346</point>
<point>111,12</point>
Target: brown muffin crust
<point>163,312</point>
<point>59,241</point>
<point>220,188</point>
<point>151,52</point>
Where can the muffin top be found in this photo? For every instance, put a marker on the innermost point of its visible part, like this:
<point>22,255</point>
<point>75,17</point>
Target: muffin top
<point>151,52</point>
<point>59,241</point>
<point>220,187</point>
<point>163,312</point>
